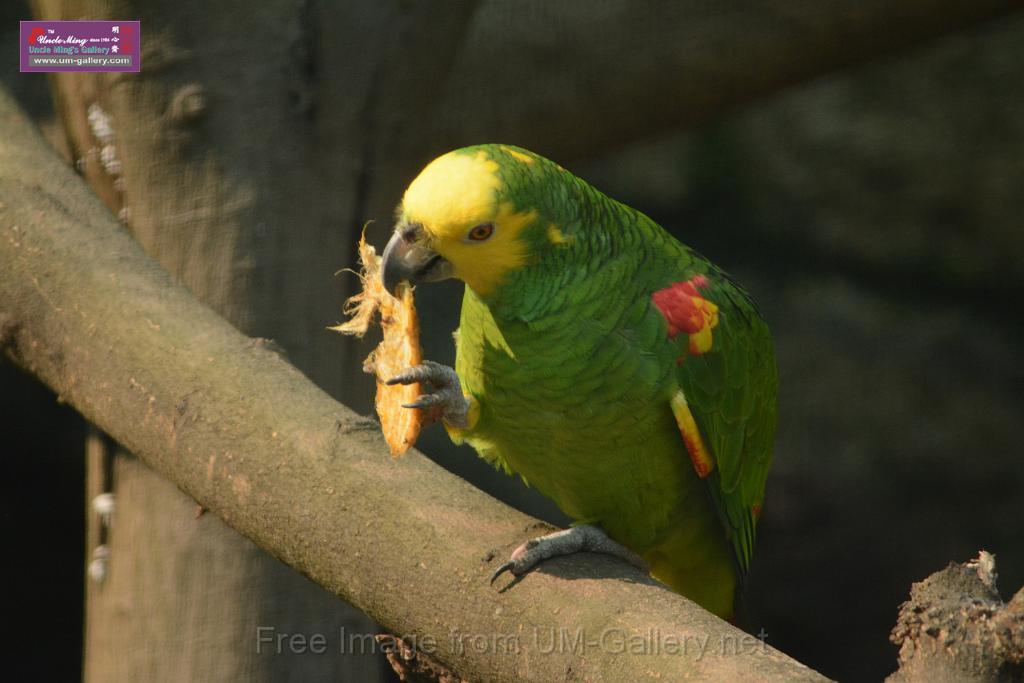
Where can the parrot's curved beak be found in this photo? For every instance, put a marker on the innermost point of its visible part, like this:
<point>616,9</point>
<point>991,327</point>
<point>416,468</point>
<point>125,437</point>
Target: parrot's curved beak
<point>407,258</point>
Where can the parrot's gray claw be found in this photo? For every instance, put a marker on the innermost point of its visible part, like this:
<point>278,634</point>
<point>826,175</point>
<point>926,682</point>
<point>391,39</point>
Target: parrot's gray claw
<point>425,401</point>
<point>507,567</point>
<point>447,398</point>
<point>579,538</point>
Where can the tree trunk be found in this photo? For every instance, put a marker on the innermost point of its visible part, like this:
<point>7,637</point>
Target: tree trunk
<point>234,172</point>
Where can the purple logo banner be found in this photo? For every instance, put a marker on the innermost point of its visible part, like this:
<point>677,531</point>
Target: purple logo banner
<point>80,46</point>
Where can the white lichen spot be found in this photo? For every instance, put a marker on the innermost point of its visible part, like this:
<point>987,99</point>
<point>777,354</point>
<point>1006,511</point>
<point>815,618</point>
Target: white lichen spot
<point>100,123</point>
<point>98,566</point>
<point>108,158</point>
<point>104,506</point>
<point>102,128</point>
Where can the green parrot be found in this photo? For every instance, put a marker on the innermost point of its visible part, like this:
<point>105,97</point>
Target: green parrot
<point>614,369</point>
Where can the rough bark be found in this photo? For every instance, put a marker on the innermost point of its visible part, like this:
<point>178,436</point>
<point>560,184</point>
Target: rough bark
<point>250,438</point>
<point>414,666</point>
<point>233,173</point>
<point>955,627</point>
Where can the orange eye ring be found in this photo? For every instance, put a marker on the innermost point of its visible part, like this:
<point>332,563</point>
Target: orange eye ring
<point>481,232</point>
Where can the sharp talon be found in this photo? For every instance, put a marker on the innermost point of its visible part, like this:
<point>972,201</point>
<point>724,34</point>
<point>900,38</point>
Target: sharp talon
<point>425,401</point>
<point>415,404</point>
<point>507,567</point>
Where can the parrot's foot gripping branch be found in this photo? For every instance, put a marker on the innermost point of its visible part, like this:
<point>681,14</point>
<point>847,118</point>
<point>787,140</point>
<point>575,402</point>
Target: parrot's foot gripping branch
<point>578,538</point>
<point>446,400</point>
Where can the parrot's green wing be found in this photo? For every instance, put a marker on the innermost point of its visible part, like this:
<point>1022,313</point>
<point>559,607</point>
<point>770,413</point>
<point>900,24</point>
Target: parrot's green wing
<point>728,380</point>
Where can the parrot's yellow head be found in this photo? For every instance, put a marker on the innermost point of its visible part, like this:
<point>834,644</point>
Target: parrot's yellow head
<point>456,220</point>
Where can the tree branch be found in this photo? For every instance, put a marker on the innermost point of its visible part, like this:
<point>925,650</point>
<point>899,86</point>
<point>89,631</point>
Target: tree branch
<point>251,439</point>
<point>956,627</point>
<point>571,78</point>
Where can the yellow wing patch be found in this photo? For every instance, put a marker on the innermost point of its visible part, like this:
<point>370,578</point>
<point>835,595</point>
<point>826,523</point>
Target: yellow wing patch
<point>701,340</point>
<point>556,236</point>
<point>701,458</point>
<point>525,158</point>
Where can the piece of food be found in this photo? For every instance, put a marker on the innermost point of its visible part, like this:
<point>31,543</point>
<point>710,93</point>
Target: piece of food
<point>398,350</point>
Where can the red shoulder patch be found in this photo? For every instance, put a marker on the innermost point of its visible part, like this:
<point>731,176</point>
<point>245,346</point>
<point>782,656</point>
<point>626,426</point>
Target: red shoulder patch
<point>686,310</point>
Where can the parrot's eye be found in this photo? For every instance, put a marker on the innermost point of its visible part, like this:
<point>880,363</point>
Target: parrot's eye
<point>481,232</point>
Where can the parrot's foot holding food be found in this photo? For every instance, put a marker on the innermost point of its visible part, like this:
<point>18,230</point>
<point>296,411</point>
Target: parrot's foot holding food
<point>446,401</point>
<point>584,538</point>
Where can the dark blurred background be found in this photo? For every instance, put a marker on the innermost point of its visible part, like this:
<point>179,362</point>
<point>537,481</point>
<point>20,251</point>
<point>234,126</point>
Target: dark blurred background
<point>875,213</point>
